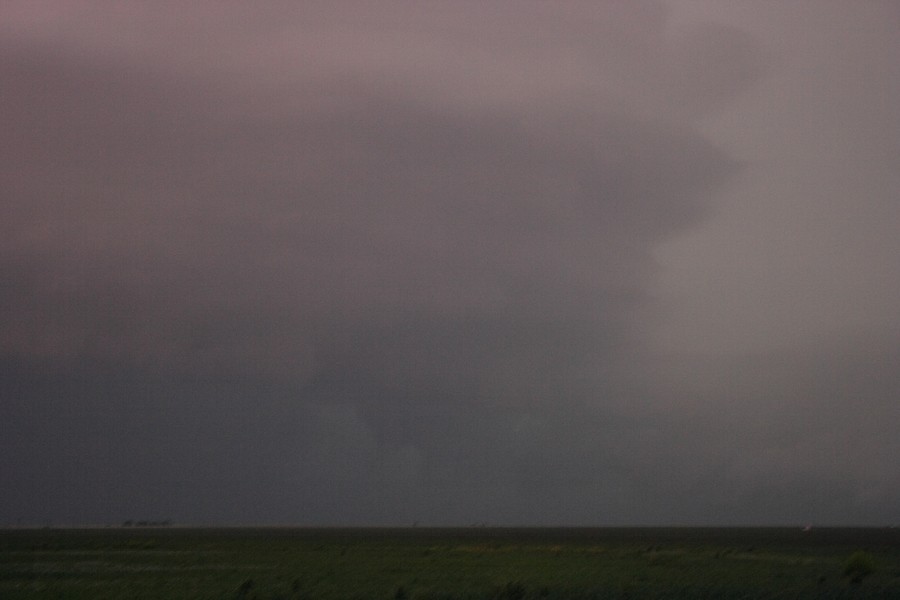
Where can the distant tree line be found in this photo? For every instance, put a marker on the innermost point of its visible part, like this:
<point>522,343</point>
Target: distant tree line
<point>130,523</point>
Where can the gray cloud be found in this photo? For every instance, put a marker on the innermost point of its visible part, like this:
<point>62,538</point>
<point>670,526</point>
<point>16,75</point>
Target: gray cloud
<point>310,265</point>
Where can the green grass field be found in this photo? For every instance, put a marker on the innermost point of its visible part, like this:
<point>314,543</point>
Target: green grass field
<point>475,563</point>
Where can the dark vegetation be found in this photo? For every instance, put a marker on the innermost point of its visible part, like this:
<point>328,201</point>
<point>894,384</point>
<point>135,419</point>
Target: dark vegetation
<point>444,564</point>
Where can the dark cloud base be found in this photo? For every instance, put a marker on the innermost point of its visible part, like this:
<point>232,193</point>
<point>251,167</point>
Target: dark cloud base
<point>369,307</point>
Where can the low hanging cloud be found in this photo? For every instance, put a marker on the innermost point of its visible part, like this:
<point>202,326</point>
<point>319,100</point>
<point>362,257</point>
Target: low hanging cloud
<point>311,265</point>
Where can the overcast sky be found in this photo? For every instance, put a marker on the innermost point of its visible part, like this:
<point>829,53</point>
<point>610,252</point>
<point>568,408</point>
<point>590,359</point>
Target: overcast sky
<point>447,262</point>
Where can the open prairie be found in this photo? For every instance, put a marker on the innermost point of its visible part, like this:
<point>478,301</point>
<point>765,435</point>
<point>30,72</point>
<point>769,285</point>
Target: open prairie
<point>472,563</point>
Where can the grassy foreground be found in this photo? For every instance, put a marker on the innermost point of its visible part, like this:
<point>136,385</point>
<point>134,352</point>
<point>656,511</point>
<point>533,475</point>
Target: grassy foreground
<point>476,563</point>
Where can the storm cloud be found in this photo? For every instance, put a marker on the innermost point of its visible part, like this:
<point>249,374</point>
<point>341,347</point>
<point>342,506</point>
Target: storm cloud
<point>320,264</point>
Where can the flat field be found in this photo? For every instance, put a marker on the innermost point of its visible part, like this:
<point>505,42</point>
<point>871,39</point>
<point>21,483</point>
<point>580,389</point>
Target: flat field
<point>468,563</point>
